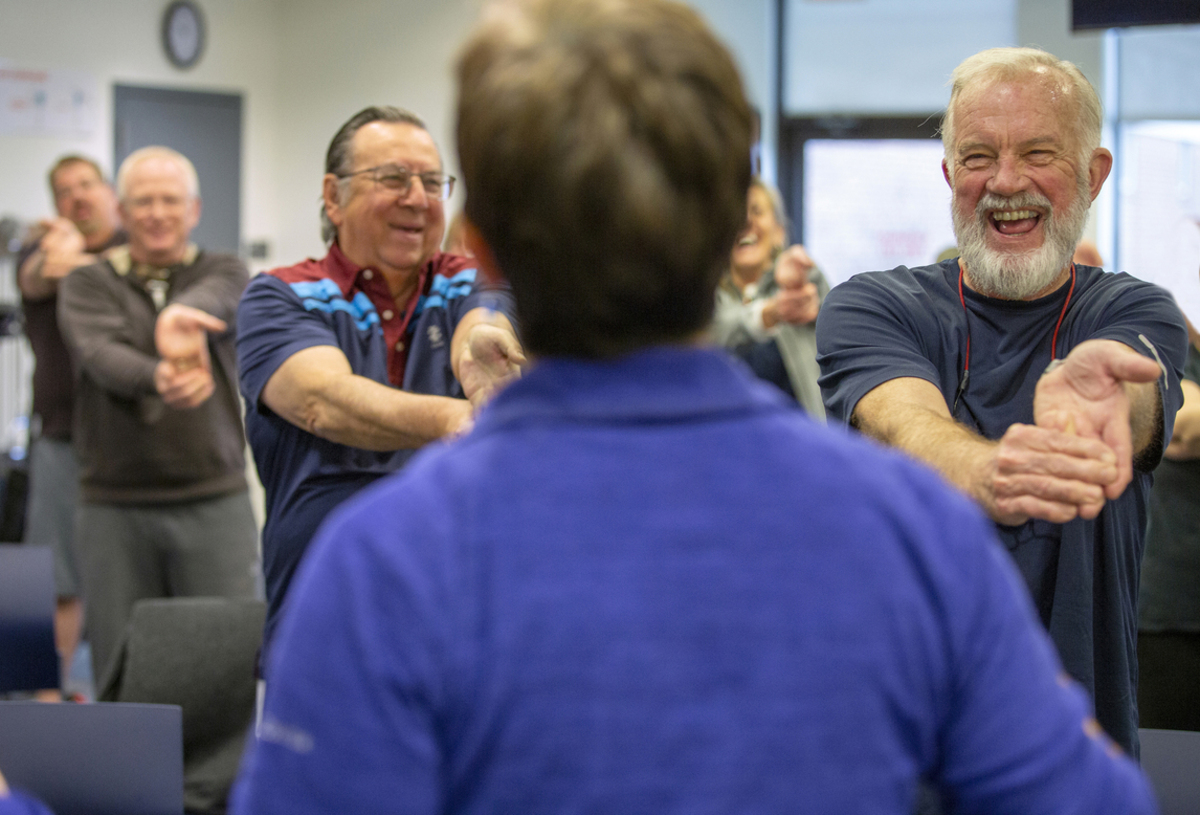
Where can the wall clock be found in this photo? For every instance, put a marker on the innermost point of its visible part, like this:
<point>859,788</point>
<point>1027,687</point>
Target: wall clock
<point>183,33</point>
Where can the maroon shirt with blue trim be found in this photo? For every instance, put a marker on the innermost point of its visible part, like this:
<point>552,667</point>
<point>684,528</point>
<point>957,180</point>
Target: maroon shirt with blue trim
<point>334,302</point>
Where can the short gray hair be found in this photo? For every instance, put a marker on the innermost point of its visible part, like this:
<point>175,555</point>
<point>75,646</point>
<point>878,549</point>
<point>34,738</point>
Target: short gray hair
<point>191,180</point>
<point>999,64</point>
<point>339,158</point>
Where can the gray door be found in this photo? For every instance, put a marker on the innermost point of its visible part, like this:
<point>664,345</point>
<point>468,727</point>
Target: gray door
<point>205,127</point>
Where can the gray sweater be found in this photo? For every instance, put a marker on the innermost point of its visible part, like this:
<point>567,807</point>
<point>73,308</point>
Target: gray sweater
<point>133,448</point>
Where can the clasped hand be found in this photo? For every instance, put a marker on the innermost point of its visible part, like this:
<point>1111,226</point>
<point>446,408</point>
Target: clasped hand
<point>183,375</point>
<point>1079,451</point>
<point>492,358</point>
<point>797,301</point>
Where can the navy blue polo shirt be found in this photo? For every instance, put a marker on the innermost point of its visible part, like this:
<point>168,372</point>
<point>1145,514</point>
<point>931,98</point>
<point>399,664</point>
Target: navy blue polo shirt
<point>334,302</point>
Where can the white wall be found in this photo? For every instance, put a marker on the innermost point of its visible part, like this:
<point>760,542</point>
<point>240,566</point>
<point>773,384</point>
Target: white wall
<point>885,57</point>
<point>748,29</point>
<point>1160,72</point>
<point>338,59</point>
<point>402,52</point>
<point>118,42</point>
<point>303,66</point>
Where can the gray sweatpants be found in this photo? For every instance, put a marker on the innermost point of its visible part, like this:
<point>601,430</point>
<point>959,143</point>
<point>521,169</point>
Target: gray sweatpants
<point>205,548</point>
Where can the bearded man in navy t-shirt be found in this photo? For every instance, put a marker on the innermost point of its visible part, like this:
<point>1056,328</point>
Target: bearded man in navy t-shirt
<point>1043,389</point>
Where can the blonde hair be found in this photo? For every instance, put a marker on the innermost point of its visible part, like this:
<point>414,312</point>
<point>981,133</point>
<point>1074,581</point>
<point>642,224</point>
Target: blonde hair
<point>1008,64</point>
<point>191,180</point>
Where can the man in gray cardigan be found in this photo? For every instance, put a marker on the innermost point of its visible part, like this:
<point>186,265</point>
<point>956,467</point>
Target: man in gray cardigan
<point>164,506</point>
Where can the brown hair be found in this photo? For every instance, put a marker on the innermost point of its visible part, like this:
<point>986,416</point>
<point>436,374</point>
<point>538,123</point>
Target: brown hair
<point>68,160</point>
<point>605,148</point>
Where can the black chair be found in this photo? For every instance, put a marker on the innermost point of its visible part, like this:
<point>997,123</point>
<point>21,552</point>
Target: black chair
<point>198,653</point>
<point>1172,760</point>
<point>99,759</point>
<point>28,659</point>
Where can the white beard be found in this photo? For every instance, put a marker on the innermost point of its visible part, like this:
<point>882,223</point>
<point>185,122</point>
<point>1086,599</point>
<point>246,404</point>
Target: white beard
<point>1019,276</point>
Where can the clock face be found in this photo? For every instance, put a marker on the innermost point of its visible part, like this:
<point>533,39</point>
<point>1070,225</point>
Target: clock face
<point>183,33</point>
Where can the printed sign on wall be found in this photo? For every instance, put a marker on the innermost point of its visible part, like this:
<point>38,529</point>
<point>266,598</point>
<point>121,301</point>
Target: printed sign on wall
<point>47,103</point>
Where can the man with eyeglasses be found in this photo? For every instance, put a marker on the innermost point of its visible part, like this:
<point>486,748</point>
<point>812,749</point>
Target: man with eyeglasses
<point>164,506</point>
<point>350,363</point>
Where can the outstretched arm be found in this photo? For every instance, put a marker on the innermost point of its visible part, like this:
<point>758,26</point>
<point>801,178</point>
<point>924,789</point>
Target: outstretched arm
<point>316,390</point>
<point>1031,472</point>
<point>60,249</point>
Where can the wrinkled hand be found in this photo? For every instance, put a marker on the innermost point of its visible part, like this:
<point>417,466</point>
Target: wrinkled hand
<point>1049,473</point>
<point>1086,395</point>
<point>183,387</point>
<point>492,358</point>
<point>796,306</point>
<point>792,268</point>
<point>183,376</point>
<point>181,332</point>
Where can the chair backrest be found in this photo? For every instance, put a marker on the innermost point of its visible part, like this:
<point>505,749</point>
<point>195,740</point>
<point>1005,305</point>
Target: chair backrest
<point>28,659</point>
<point>1172,760</point>
<point>98,759</point>
<point>198,653</point>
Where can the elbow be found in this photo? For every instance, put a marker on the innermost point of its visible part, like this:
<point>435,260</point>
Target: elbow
<point>314,417</point>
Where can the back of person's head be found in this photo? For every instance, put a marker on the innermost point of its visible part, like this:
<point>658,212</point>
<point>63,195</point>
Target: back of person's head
<point>605,149</point>
<point>1035,65</point>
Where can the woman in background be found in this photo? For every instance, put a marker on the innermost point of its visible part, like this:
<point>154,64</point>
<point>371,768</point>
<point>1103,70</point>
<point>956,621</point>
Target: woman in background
<point>767,305</point>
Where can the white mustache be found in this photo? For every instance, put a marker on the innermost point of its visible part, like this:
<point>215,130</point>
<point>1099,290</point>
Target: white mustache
<point>1022,200</point>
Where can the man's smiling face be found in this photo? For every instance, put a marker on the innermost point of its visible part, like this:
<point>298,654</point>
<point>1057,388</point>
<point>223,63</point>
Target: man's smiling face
<point>392,232</point>
<point>1021,185</point>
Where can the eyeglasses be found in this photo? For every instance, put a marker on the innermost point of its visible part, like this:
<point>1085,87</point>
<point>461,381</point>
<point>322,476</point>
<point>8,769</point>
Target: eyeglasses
<point>398,179</point>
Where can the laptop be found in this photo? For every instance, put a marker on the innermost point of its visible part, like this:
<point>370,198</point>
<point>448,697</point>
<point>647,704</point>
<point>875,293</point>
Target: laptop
<point>107,758</point>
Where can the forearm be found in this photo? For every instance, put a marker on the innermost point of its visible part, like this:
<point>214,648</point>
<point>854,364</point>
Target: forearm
<point>95,331</point>
<point>359,412</point>
<point>1145,418</point>
<point>40,273</point>
<point>736,322</point>
<point>33,285</point>
<point>911,415</point>
<point>316,390</point>
<point>217,292</point>
<point>1030,472</point>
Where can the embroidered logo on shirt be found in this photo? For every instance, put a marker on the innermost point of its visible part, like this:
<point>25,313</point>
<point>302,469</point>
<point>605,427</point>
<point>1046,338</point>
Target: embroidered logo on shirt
<point>324,295</point>
<point>435,337</point>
